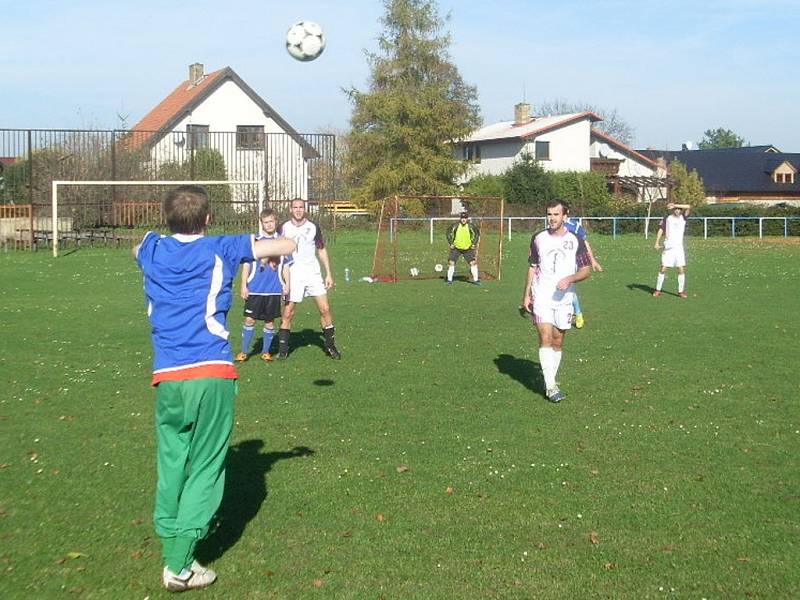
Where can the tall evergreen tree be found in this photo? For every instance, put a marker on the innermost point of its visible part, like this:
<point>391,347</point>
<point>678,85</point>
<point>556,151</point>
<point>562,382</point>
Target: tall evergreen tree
<point>416,105</point>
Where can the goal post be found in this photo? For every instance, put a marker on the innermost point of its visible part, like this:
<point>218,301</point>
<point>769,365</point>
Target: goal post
<point>58,228</point>
<point>412,235</point>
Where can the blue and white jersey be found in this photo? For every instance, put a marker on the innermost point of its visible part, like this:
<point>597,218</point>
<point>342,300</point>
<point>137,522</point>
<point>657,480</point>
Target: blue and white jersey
<point>266,275</point>
<point>574,226</point>
<point>187,284</point>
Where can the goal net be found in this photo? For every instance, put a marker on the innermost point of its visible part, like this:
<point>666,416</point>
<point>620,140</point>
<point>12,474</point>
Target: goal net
<point>412,236</point>
<point>83,207</point>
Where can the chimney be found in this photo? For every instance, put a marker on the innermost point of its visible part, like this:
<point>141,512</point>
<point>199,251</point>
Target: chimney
<point>522,113</point>
<point>195,73</point>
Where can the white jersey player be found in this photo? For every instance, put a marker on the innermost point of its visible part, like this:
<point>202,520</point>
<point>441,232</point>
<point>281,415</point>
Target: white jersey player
<point>306,278</point>
<point>672,228</point>
<point>558,260</point>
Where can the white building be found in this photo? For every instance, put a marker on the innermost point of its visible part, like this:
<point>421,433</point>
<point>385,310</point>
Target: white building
<point>219,110</point>
<point>558,143</point>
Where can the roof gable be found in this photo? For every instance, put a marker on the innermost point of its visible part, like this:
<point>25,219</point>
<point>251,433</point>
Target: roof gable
<point>509,130</point>
<point>624,149</point>
<point>186,97</point>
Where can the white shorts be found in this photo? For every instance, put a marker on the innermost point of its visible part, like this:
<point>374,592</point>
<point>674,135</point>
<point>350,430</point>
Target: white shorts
<point>558,315</point>
<point>304,283</point>
<point>673,257</point>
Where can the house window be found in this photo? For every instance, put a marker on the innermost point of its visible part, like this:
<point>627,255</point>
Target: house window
<point>249,137</point>
<point>472,153</point>
<point>198,136</point>
<point>784,177</point>
<point>542,151</point>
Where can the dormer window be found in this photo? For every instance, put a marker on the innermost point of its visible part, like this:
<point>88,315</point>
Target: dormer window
<point>783,177</point>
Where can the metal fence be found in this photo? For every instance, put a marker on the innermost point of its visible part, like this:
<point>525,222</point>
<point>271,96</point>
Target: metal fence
<point>290,166</point>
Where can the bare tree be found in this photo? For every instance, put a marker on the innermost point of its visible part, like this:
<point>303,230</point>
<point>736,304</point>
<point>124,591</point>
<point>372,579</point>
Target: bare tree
<point>612,124</point>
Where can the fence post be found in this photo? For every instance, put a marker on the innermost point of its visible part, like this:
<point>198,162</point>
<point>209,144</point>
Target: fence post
<point>705,228</point>
<point>785,227</point>
<point>613,228</point>
<point>431,228</point>
<point>733,227</point>
<point>760,227</point>
<point>509,229</point>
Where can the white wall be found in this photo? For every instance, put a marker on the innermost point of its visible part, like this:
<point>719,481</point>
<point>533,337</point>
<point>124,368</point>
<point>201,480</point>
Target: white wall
<point>228,107</point>
<point>569,151</point>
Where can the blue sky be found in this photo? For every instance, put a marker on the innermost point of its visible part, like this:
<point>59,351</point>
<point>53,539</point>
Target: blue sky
<point>672,70</point>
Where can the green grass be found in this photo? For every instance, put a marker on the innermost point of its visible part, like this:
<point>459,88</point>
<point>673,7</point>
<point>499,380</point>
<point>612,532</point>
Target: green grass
<point>425,464</point>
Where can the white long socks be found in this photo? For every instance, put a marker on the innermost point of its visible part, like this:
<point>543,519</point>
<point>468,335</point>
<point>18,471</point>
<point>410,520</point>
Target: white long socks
<point>474,270</point>
<point>681,282</point>
<point>450,270</point>
<point>660,281</point>
<point>549,363</point>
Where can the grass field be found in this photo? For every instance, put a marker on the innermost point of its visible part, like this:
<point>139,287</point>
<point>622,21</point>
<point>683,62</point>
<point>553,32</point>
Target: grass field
<point>425,464</point>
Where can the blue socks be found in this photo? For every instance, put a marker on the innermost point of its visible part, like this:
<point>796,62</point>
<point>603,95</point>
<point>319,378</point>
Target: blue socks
<point>247,338</point>
<point>269,333</point>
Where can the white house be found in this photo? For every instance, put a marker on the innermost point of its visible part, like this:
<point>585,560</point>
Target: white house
<point>219,110</point>
<point>558,143</point>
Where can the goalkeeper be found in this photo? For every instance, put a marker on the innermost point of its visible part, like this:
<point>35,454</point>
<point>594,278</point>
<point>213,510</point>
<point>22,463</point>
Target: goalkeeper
<point>463,238</point>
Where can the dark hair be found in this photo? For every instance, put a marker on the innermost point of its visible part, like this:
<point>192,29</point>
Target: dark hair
<point>267,212</point>
<point>556,201</point>
<point>293,200</point>
<point>186,209</point>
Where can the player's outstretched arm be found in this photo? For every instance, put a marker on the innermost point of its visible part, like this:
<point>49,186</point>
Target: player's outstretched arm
<point>657,245</point>
<point>527,293</point>
<point>326,262</point>
<point>244,292</point>
<point>583,273</point>
<point>595,263</point>
<point>274,247</point>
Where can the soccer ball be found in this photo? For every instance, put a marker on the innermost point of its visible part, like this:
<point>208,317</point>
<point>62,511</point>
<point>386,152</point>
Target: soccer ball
<point>414,271</point>
<point>438,268</point>
<point>305,41</point>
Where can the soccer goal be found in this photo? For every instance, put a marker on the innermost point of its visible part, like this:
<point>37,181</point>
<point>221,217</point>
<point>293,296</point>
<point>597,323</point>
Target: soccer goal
<point>412,236</point>
<point>79,206</point>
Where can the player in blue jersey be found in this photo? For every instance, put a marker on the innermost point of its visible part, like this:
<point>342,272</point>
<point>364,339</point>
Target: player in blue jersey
<point>263,283</point>
<point>188,279</point>
<point>574,226</point>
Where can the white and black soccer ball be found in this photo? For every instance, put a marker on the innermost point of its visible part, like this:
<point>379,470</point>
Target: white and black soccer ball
<point>414,271</point>
<point>305,41</point>
<point>438,268</point>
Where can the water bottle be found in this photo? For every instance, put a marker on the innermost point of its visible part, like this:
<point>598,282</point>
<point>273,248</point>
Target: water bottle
<point>347,275</point>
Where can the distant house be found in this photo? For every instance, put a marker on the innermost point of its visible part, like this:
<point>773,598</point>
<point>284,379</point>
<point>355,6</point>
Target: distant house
<point>566,142</point>
<point>751,174</point>
<point>219,110</point>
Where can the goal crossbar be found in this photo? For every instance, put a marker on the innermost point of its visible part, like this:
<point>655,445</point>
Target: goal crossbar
<point>64,182</point>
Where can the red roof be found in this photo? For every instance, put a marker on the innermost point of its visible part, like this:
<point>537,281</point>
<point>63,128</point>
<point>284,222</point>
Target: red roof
<point>174,105</point>
<point>625,149</point>
<point>7,160</point>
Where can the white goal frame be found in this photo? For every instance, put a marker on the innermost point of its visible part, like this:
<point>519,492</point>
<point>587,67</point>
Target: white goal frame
<point>61,182</point>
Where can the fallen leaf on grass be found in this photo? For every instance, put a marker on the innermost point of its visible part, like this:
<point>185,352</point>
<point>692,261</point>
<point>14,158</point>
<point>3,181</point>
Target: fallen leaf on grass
<point>380,517</point>
<point>318,583</point>
<point>403,468</point>
<point>594,537</point>
<point>74,555</point>
<point>610,566</point>
<point>668,548</point>
<point>743,559</point>
<point>449,490</point>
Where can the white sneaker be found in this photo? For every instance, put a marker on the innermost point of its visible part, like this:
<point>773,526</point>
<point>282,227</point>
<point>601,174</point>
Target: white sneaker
<point>195,577</point>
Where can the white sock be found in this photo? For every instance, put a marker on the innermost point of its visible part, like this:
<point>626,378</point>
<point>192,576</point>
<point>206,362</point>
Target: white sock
<point>556,358</point>
<point>681,282</point>
<point>450,270</point>
<point>546,361</point>
<point>474,270</point>
<point>660,282</point>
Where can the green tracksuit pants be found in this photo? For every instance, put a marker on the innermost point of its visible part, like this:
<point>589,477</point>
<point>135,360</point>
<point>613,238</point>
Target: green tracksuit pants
<point>194,421</point>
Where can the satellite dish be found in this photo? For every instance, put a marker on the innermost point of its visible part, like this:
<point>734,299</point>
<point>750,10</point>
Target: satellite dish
<point>605,150</point>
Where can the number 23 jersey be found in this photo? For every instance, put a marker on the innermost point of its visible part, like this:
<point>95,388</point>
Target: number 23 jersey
<point>555,256</point>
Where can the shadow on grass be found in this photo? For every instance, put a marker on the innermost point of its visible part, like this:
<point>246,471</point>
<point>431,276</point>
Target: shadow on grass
<point>245,492</point>
<point>641,287</point>
<point>306,337</point>
<point>526,372</point>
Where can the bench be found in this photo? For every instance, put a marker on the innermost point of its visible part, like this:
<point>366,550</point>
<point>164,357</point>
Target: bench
<point>345,209</point>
